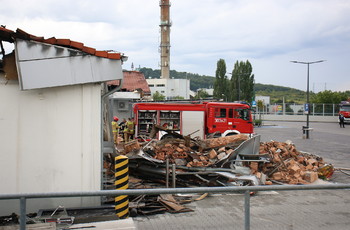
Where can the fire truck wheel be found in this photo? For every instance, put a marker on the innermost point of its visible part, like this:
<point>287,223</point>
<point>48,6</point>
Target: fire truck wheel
<point>231,134</point>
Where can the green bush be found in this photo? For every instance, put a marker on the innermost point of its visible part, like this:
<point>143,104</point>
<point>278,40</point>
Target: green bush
<point>257,122</point>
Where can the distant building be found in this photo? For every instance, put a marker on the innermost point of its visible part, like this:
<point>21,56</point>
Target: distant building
<point>264,99</point>
<point>210,91</point>
<point>170,88</point>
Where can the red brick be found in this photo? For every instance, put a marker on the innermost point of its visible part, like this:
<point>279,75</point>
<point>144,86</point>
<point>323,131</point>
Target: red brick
<point>310,176</point>
<point>116,56</point>
<point>89,50</point>
<point>76,45</point>
<point>101,54</point>
<point>212,154</point>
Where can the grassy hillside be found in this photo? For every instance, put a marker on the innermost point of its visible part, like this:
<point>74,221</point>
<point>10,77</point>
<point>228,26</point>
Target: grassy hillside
<point>277,93</point>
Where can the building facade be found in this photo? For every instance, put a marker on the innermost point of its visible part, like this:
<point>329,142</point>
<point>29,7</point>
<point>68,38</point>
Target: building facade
<point>170,88</point>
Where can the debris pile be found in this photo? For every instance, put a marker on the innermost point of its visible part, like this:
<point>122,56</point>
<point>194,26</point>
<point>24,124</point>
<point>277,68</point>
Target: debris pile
<point>155,204</point>
<point>287,165</point>
<point>228,160</point>
<point>201,153</point>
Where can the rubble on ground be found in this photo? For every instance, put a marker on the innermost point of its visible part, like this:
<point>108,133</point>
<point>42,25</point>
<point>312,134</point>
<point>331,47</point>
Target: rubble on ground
<point>202,162</point>
<point>225,161</point>
<point>208,152</point>
<point>288,165</point>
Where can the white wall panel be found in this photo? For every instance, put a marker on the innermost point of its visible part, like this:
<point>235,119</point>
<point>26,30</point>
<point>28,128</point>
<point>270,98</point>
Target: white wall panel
<point>50,142</point>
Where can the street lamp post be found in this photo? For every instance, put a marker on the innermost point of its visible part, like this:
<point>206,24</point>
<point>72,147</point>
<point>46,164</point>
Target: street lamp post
<point>307,93</point>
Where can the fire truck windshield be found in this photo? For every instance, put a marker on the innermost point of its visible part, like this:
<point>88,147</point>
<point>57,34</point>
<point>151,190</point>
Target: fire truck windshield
<point>345,108</point>
<point>242,114</point>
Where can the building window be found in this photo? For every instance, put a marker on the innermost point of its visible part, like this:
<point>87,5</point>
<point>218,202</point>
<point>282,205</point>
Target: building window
<point>151,85</point>
<point>162,91</point>
<point>160,85</point>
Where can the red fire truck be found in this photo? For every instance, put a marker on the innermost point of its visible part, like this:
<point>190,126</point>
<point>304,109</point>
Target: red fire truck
<point>200,119</point>
<point>345,110</point>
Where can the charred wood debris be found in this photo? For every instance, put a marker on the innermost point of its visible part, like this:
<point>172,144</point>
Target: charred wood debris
<point>225,161</point>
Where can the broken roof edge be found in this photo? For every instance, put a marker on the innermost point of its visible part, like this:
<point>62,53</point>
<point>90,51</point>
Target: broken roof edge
<point>11,36</point>
<point>37,64</point>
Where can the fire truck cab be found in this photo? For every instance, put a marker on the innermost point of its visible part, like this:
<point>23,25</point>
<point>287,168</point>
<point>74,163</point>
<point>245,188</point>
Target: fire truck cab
<point>228,118</point>
<point>199,119</point>
<point>345,110</point>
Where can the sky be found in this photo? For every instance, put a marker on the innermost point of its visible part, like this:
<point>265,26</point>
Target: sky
<point>269,34</point>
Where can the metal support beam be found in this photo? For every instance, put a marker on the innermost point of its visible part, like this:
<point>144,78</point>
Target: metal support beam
<point>247,210</point>
<point>173,175</point>
<point>22,218</point>
<point>167,173</point>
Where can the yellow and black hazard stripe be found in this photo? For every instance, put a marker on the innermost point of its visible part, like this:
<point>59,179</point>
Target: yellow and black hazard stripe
<point>121,182</point>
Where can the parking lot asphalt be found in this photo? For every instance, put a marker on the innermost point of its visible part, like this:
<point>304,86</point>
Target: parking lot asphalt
<point>321,209</point>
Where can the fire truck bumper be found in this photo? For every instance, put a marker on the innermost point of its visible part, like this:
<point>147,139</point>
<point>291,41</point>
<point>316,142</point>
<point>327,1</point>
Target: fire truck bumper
<point>347,120</point>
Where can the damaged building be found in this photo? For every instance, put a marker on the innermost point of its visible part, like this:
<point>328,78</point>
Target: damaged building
<point>51,116</point>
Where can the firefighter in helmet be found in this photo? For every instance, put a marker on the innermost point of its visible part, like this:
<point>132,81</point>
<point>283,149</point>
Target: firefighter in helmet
<point>115,129</point>
<point>129,130</point>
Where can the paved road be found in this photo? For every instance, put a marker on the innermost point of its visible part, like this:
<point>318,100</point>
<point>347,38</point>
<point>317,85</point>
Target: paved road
<point>328,209</point>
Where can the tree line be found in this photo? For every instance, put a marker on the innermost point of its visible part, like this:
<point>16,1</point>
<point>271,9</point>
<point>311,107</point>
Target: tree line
<point>239,85</point>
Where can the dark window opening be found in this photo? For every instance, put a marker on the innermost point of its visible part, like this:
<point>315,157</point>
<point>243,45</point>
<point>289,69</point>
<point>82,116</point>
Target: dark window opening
<point>220,113</point>
<point>230,113</point>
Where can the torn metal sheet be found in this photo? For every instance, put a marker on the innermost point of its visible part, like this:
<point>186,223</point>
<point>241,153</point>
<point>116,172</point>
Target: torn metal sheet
<point>249,147</point>
<point>253,180</point>
<point>58,216</point>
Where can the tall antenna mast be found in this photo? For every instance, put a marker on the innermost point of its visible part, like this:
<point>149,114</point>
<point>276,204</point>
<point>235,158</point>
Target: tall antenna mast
<point>165,25</point>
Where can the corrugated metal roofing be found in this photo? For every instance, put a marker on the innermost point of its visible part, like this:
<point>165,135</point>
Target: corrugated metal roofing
<point>10,36</point>
<point>132,80</point>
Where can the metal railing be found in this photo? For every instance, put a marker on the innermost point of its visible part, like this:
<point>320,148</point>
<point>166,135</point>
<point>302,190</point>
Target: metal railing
<point>246,189</point>
<point>298,109</point>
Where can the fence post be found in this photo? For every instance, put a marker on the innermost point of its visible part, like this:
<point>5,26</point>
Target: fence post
<point>22,218</point>
<point>167,172</point>
<point>247,210</point>
<point>173,175</point>
<point>323,109</point>
<point>122,183</point>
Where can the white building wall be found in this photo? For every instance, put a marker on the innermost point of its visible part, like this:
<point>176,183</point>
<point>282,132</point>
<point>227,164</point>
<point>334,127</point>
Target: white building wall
<point>264,99</point>
<point>170,88</point>
<point>155,85</point>
<point>50,142</point>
